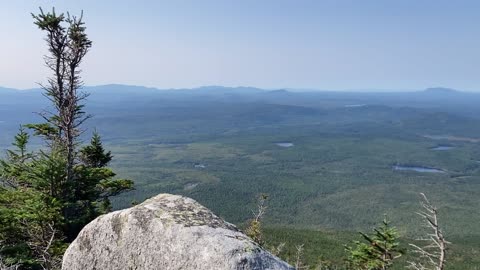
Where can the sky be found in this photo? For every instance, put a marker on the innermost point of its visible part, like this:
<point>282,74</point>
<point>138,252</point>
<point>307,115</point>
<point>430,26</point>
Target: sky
<point>318,44</point>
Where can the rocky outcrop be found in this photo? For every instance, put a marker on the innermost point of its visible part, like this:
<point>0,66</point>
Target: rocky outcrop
<point>166,232</point>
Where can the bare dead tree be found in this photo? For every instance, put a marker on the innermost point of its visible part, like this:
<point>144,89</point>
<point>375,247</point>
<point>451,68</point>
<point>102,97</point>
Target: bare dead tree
<point>277,250</point>
<point>254,229</point>
<point>261,208</point>
<point>299,258</point>
<point>41,240</point>
<point>3,266</point>
<point>433,254</point>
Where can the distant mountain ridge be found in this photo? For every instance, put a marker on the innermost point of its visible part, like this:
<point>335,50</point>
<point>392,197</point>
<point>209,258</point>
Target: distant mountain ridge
<point>442,90</point>
<point>4,89</point>
<point>130,88</point>
<point>239,89</point>
<point>119,93</point>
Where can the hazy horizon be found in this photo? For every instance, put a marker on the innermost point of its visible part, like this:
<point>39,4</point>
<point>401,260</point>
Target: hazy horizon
<point>314,45</point>
<point>358,90</point>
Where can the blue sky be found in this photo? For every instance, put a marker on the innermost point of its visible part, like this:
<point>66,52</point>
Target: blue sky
<point>334,45</point>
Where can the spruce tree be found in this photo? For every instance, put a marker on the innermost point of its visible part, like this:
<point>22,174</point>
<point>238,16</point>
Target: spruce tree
<point>48,196</point>
<point>378,250</point>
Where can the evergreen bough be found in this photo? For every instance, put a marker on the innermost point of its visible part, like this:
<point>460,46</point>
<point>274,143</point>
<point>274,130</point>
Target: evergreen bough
<point>48,196</point>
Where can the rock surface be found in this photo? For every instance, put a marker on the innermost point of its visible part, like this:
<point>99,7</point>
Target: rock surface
<point>166,232</point>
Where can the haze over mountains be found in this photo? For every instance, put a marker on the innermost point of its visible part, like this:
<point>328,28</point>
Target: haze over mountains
<point>243,103</point>
<point>242,89</point>
<point>115,92</point>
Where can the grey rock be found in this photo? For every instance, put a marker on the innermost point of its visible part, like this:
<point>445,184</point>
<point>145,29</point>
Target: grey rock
<point>166,232</point>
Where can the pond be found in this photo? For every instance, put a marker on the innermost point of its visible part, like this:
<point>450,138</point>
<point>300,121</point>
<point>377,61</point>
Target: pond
<point>417,169</point>
<point>284,144</point>
<point>355,105</point>
<point>442,148</point>
<point>199,166</point>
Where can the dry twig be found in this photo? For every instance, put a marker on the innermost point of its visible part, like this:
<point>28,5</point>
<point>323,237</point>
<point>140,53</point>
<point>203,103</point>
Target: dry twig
<point>433,254</point>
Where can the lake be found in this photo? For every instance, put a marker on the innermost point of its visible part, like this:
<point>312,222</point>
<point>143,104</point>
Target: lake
<point>355,105</point>
<point>442,148</point>
<point>284,144</point>
<point>199,166</point>
<point>417,169</point>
